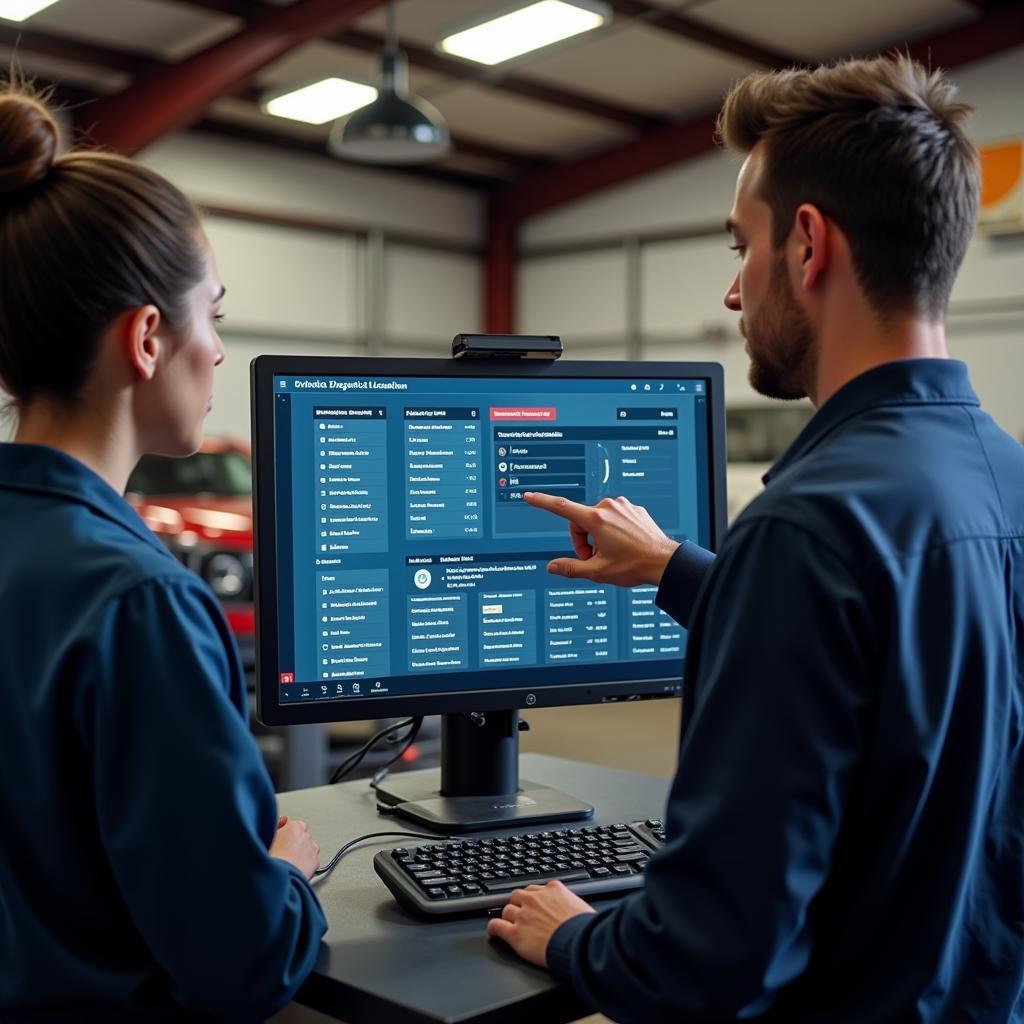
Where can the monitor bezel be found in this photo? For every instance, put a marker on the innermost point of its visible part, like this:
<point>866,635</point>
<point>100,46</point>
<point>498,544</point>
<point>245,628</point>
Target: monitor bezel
<point>264,368</point>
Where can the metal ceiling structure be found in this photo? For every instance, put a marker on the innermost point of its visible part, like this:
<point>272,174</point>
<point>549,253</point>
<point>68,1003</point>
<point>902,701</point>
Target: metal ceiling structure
<point>564,122</point>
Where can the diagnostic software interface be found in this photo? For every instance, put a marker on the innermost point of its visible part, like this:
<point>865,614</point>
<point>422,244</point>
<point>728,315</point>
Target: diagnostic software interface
<point>408,561</point>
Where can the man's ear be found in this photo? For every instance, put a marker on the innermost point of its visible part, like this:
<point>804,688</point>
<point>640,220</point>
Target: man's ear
<point>141,332</point>
<point>810,239</point>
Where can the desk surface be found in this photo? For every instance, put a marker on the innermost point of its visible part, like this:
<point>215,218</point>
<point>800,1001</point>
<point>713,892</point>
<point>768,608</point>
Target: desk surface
<point>378,964</point>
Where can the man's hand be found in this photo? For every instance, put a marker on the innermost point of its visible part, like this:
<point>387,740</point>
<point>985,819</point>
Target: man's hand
<point>615,541</point>
<point>294,844</point>
<point>532,916</point>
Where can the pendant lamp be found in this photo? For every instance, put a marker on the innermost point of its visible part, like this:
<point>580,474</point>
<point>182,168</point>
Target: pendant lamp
<point>397,127</point>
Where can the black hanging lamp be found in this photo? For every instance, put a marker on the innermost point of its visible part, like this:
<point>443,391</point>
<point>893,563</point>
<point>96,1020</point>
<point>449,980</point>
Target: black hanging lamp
<point>397,127</point>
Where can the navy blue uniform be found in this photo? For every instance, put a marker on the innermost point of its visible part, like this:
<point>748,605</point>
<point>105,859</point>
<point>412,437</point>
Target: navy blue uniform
<point>846,827</point>
<point>135,810</point>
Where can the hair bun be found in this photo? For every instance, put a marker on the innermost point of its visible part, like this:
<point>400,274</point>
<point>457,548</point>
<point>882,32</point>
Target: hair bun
<point>28,141</point>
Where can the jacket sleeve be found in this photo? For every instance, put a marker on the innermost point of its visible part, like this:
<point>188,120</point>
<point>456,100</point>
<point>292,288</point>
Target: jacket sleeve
<point>186,810</point>
<point>684,575</point>
<point>765,767</point>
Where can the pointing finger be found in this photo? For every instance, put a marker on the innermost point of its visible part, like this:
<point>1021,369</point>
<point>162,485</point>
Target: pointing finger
<point>571,510</point>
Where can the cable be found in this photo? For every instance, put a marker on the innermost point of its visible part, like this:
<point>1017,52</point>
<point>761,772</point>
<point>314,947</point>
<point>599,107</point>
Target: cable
<point>380,774</point>
<point>354,760</point>
<point>373,835</point>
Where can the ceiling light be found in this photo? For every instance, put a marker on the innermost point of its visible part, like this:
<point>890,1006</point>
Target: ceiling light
<point>323,101</point>
<point>528,28</point>
<point>19,10</point>
<point>397,127</point>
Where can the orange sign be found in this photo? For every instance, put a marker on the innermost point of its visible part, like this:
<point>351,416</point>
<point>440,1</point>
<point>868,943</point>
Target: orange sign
<point>1002,186</point>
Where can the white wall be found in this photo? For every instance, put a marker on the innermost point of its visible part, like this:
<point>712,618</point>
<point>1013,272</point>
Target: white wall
<point>681,315</point>
<point>294,290</point>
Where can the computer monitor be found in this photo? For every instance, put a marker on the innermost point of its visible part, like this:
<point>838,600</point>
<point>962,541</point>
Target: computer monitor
<point>400,572</point>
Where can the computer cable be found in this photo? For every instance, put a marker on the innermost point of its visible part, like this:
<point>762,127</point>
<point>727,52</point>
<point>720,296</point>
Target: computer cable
<point>381,773</point>
<point>320,872</point>
<point>354,760</point>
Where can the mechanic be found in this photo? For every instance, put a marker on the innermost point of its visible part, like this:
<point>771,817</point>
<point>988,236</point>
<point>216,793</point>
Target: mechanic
<point>144,870</point>
<point>846,824</point>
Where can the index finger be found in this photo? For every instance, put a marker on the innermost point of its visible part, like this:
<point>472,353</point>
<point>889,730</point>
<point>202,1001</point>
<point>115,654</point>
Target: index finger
<point>571,510</point>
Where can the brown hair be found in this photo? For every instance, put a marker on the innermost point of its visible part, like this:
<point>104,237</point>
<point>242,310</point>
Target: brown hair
<point>83,237</point>
<point>880,147</point>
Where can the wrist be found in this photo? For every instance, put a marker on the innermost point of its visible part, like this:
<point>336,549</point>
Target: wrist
<point>660,558</point>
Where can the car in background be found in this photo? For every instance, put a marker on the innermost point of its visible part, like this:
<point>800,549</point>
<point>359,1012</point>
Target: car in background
<point>201,508</point>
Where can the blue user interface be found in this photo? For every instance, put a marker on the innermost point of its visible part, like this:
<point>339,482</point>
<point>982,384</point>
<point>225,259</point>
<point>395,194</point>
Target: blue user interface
<point>408,560</point>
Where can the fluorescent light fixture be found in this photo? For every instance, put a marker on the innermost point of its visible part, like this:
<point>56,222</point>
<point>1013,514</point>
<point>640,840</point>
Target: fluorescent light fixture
<point>19,10</point>
<point>323,101</point>
<point>527,28</point>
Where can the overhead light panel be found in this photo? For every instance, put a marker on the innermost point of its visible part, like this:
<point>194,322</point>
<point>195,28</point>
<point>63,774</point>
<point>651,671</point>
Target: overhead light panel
<point>525,29</point>
<point>323,101</point>
<point>20,10</point>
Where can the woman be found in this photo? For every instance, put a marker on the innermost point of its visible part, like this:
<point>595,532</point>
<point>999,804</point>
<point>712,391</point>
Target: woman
<point>144,872</point>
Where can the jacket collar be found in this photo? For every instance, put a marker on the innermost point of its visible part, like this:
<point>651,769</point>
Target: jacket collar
<point>43,470</point>
<point>898,383</point>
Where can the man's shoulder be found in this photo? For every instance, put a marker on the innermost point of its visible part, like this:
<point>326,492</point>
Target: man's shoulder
<point>888,484</point>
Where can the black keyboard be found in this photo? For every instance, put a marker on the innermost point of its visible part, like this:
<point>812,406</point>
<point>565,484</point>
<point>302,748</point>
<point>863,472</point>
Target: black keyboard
<point>474,876</point>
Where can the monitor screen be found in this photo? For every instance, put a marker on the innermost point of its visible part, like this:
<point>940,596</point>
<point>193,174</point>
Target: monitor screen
<point>399,569</point>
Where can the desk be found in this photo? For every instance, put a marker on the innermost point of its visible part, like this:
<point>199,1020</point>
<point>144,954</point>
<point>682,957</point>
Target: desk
<point>380,965</point>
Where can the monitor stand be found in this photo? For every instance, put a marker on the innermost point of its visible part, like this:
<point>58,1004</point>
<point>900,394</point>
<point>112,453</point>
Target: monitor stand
<point>478,786</point>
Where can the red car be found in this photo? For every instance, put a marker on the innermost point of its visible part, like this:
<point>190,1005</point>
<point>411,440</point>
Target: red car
<point>201,508</point>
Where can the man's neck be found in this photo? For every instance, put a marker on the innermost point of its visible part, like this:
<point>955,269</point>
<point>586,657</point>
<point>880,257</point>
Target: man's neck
<point>103,441</point>
<point>853,341</point>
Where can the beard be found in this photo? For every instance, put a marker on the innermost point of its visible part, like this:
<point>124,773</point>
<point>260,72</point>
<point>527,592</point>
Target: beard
<point>780,341</point>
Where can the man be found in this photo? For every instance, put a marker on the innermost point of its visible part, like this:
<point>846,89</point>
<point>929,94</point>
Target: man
<point>846,825</point>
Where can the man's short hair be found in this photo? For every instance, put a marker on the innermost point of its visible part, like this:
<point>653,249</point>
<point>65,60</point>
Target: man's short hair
<point>880,147</point>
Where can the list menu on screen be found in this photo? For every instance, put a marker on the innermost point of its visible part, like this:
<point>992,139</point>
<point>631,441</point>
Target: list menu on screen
<point>408,560</point>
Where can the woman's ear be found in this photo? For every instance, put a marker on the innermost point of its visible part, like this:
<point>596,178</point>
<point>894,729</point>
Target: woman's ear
<point>142,339</point>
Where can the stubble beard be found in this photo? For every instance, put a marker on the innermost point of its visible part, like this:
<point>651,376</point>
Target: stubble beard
<point>780,341</point>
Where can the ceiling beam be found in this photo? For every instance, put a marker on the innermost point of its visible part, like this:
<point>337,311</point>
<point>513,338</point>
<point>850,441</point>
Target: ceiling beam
<point>1000,27</point>
<point>430,60</point>
<point>537,191</point>
<point>109,59</point>
<point>174,96</point>
<point>222,128</point>
<point>49,45</point>
<point>700,32</point>
<point>515,160</point>
<point>78,102</point>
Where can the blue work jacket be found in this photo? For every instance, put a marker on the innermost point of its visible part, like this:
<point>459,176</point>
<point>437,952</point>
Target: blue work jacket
<point>846,825</point>
<point>135,810</point>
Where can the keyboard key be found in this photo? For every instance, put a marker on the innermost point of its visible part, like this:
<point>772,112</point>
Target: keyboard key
<point>521,881</point>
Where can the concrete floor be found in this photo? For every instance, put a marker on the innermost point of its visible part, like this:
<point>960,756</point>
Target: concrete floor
<point>639,736</point>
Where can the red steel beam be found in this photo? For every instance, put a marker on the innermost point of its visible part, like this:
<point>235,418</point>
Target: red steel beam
<point>500,266</point>
<point>1000,29</point>
<point>703,33</point>
<point>175,96</point>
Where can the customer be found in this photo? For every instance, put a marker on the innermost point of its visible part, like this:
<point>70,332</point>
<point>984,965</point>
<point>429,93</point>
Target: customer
<point>846,825</point>
<point>144,873</point>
